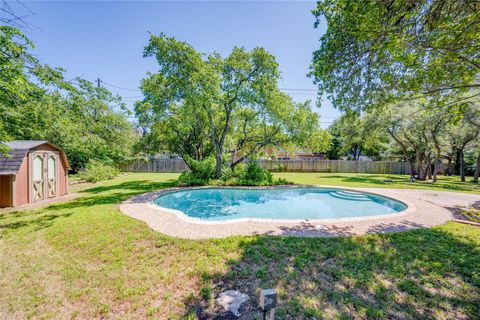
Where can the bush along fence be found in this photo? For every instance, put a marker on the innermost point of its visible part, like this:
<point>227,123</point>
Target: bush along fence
<point>334,166</point>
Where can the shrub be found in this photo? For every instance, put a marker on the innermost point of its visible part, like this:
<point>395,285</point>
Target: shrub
<point>280,168</point>
<point>282,181</point>
<point>229,176</point>
<point>97,171</point>
<point>254,175</point>
<point>251,174</point>
<point>200,174</point>
<point>189,178</point>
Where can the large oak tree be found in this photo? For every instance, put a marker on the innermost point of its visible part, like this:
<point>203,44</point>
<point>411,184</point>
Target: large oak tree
<point>198,103</point>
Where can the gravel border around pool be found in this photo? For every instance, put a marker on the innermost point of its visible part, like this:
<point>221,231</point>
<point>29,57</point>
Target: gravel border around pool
<point>426,208</point>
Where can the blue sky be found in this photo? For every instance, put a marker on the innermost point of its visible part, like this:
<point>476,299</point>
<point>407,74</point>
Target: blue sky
<point>106,39</point>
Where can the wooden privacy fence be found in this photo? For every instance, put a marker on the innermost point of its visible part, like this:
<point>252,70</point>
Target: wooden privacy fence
<point>334,166</point>
<point>155,165</point>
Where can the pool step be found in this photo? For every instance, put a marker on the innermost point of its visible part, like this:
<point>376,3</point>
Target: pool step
<point>350,197</point>
<point>351,194</point>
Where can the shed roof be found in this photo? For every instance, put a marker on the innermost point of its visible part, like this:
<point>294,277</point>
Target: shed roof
<point>25,144</point>
<point>19,148</point>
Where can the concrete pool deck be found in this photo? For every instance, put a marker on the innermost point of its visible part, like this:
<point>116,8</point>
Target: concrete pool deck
<point>426,208</point>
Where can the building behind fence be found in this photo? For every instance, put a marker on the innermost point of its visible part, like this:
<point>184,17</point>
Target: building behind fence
<point>334,166</point>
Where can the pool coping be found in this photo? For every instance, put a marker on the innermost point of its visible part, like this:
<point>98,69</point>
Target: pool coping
<point>181,215</point>
<point>425,208</point>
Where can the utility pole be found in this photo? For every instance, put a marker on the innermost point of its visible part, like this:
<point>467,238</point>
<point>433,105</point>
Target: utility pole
<point>95,111</point>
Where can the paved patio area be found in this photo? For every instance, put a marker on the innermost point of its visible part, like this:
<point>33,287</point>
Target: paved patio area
<point>425,209</point>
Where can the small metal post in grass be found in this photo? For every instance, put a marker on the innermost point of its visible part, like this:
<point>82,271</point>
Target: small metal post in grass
<point>268,302</point>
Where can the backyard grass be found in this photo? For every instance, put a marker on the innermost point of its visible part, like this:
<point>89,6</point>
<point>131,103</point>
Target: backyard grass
<point>85,259</point>
<point>444,183</point>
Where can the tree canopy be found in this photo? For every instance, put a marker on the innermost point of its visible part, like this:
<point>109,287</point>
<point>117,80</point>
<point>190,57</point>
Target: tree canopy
<point>374,52</point>
<point>36,102</point>
<point>199,104</point>
<point>412,67</point>
<point>355,135</point>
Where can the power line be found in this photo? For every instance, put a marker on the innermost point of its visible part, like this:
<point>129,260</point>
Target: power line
<point>133,97</point>
<point>306,90</point>
<point>299,89</point>
<point>303,94</point>
<point>122,88</point>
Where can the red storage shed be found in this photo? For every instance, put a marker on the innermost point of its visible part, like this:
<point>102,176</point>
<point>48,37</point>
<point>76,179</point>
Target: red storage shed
<point>35,171</point>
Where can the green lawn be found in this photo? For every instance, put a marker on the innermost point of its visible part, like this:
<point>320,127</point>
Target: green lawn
<point>84,259</point>
<point>377,181</point>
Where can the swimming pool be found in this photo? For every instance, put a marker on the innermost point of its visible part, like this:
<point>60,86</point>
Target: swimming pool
<point>298,203</point>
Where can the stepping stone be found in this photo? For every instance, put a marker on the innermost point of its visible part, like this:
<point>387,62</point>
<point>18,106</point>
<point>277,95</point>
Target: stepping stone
<point>231,300</point>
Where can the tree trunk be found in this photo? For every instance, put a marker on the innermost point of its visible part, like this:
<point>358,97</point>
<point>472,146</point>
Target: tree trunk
<point>405,153</point>
<point>435,170</point>
<point>428,167</point>
<point>477,170</point>
<point>456,163</point>
<point>462,165</point>
<point>218,164</point>
<point>429,170</point>
<point>437,163</point>
<point>357,153</point>
<point>220,142</point>
<point>234,159</point>
<point>450,166</point>
<point>421,171</point>
<point>412,168</point>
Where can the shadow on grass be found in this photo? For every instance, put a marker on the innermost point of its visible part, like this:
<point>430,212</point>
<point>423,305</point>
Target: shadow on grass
<point>113,194</point>
<point>366,179</point>
<point>420,274</point>
<point>101,195</point>
<point>41,221</point>
<point>471,213</point>
<point>138,186</point>
<point>425,273</point>
<point>310,230</point>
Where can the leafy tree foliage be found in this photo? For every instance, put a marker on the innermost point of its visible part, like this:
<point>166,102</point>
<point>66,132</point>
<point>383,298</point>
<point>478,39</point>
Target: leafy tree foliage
<point>92,124</point>
<point>36,102</point>
<point>20,73</point>
<point>463,136</point>
<point>427,133</point>
<point>356,134</point>
<point>199,104</point>
<point>413,136</point>
<point>413,66</point>
<point>375,52</point>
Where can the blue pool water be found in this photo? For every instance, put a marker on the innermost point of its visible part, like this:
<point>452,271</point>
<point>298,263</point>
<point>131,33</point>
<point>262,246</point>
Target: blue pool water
<point>278,203</point>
